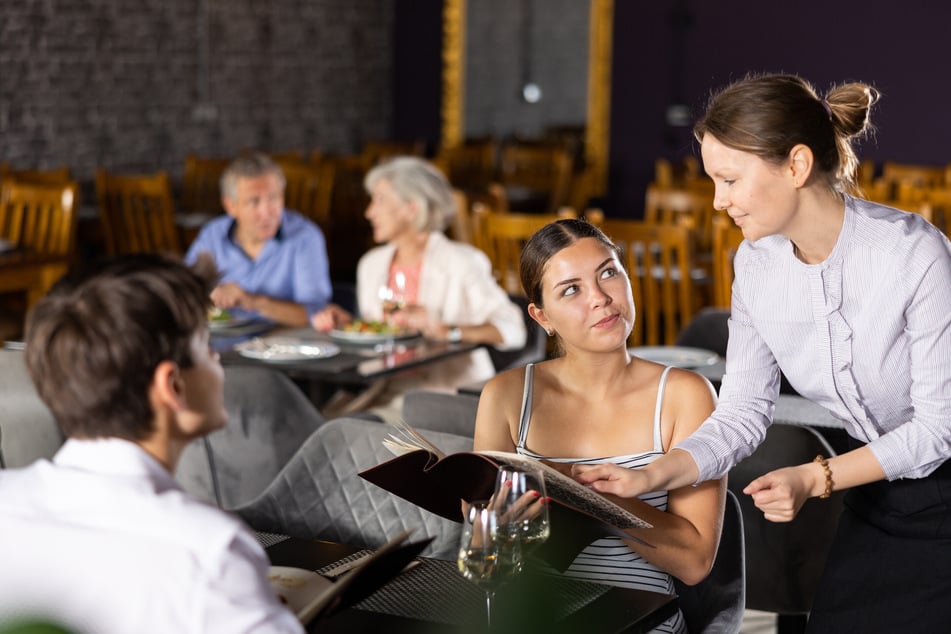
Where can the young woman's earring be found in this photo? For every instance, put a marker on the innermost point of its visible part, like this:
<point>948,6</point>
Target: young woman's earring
<point>550,331</point>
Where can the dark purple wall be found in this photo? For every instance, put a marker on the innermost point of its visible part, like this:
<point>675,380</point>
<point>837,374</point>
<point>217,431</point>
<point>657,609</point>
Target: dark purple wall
<point>417,71</point>
<point>678,51</point>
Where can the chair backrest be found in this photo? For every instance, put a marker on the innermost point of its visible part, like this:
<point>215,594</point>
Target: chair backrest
<point>536,342</point>
<point>269,418</point>
<point>309,190</point>
<point>784,560</point>
<point>502,235</point>
<point>709,329</point>
<point>726,240</point>
<point>470,166</point>
<point>659,261</point>
<point>40,217</point>
<point>716,604</point>
<point>201,189</point>
<point>375,152</point>
<point>137,213</point>
<point>319,494</point>
<point>441,411</point>
<point>667,206</point>
<point>460,227</point>
<point>28,430</point>
<point>52,176</point>
<point>544,170</point>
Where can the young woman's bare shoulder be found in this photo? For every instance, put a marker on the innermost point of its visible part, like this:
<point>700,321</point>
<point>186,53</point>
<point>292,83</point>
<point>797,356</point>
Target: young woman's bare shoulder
<point>689,384</point>
<point>505,383</point>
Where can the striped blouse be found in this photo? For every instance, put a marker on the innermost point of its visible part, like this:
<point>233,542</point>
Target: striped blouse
<point>609,560</point>
<point>866,334</point>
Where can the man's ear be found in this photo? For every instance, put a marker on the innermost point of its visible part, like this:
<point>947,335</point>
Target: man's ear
<point>168,386</point>
<point>801,162</point>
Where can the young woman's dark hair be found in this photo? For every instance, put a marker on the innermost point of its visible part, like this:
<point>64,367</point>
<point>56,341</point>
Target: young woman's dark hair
<point>94,342</point>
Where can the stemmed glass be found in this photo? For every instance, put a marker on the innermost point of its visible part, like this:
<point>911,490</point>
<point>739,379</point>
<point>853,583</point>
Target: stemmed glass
<point>479,552</point>
<point>393,298</point>
<point>521,504</point>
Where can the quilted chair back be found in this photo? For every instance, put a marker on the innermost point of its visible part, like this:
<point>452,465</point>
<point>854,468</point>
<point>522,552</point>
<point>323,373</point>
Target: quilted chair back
<point>319,495</point>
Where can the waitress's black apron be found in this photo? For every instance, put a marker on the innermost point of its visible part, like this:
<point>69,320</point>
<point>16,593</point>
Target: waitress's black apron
<point>889,568</point>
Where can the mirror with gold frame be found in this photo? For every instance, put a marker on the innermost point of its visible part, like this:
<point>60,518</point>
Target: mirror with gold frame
<point>597,119</point>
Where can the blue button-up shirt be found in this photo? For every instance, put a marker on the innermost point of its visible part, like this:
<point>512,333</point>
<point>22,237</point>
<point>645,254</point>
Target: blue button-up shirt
<point>292,266</point>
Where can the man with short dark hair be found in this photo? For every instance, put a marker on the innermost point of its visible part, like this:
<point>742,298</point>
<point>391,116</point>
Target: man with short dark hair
<point>102,538</point>
<point>273,261</point>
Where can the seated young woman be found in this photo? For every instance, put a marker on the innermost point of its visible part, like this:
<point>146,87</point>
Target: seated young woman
<point>596,403</point>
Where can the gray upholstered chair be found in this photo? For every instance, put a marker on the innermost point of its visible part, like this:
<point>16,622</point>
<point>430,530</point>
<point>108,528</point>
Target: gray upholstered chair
<point>319,495</point>
<point>716,604</point>
<point>441,411</point>
<point>785,559</point>
<point>27,428</point>
<point>269,418</point>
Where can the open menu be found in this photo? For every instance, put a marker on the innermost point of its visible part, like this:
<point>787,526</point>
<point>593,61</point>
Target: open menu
<point>425,476</point>
<point>312,596</point>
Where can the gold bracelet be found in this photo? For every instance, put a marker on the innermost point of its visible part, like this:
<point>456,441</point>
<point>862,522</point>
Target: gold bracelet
<point>829,483</point>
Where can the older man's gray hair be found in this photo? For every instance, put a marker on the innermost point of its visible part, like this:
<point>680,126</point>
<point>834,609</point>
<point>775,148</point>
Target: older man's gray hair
<point>248,166</point>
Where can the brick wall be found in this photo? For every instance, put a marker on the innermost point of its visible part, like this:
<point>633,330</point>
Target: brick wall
<point>135,85</point>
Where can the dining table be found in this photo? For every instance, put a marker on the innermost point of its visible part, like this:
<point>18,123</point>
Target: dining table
<point>333,358</point>
<point>432,597</point>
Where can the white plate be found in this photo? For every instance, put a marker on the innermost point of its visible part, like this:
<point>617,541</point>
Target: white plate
<point>677,356</point>
<point>348,336</point>
<point>296,587</point>
<point>285,349</point>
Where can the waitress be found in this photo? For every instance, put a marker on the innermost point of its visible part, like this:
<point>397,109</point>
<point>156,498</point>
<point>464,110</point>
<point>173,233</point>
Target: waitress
<point>852,301</point>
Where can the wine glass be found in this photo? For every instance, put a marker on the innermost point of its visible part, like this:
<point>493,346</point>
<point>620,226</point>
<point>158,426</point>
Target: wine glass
<point>479,557</point>
<point>393,297</point>
<point>521,505</point>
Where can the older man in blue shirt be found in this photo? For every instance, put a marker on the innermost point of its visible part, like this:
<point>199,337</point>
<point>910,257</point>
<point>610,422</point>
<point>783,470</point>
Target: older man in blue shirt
<point>273,261</point>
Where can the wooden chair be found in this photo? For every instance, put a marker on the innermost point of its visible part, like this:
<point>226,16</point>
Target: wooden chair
<point>309,190</point>
<point>541,172</point>
<point>471,166</point>
<point>53,176</point>
<point>201,190</point>
<point>352,235</point>
<point>726,240</point>
<point>658,259</point>
<point>501,235</point>
<point>667,206</point>
<point>39,217</point>
<point>137,213</point>
<point>376,151</point>
<point>460,227</point>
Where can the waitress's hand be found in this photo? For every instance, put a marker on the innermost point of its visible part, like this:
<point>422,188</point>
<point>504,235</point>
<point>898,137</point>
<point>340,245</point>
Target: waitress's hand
<point>781,493</point>
<point>610,478</point>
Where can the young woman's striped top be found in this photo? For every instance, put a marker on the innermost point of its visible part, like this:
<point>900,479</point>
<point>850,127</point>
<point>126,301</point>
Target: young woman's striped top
<point>609,560</point>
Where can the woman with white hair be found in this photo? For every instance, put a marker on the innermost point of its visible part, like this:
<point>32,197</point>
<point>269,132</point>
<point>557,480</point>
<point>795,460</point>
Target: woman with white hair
<point>448,292</point>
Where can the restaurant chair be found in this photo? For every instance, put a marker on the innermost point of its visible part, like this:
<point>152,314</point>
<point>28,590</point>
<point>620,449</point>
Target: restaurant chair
<point>537,178</point>
<point>726,240</point>
<point>536,342</point>
<point>459,227</point>
<point>441,411</point>
<point>201,184</point>
<point>309,190</point>
<point>52,176</point>
<point>269,418</point>
<point>469,166</point>
<point>667,206</point>
<point>659,261</point>
<point>716,604</point>
<point>501,235</point>
<point>709,330</point>
<point>319,494</point>
<point>137,213</point>
<point>375,152</point>
<point>40,217</point>
<point>785,559</point>
<point>28,430</point>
